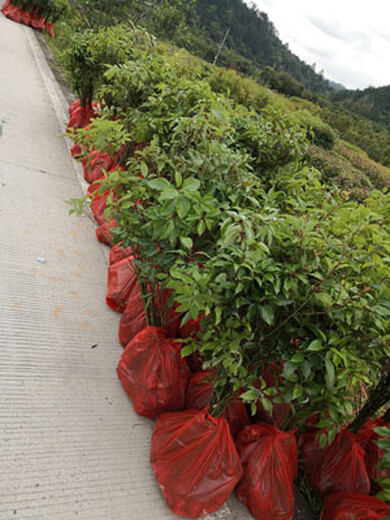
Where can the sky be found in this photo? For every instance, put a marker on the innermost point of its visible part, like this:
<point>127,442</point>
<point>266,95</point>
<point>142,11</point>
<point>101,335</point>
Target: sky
<point>348,39</point>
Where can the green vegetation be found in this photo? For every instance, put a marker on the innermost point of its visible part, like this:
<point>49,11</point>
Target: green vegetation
<point>373,103</point>
<point>218,201</point>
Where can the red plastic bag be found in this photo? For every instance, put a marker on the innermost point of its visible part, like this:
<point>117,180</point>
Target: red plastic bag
<point>37,22</point>
<point>269,458</point>
<point>343,468</point>
<point>12,12</point>
<point>118,253</point>
<point>5,7</point>
<point>50,29</point>
<point>121,278</point>
<point>25,17</point>
<point>96,164</point>
<point>351,506</point>
<point>74,106</point>
<point>153,373</point>
<point>195,462</point>
<point>81,117</point>
<point>311,455</point>
<point>198,397</point>
<point>133,320</point>
<point>104,233</point>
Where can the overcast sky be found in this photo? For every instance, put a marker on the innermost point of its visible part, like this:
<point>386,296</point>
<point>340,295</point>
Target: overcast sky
<point>348,39</point>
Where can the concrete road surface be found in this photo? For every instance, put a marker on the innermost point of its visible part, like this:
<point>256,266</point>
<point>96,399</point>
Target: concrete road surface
<point>71,446</point>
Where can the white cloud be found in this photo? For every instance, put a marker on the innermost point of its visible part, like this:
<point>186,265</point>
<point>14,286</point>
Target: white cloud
<point>348,39</point>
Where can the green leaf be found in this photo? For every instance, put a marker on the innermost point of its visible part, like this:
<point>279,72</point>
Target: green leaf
<point>183,206</point>
<point>144,169</point>
<point>159,184</point>
<point>315,346</point>
<point>330,373</point>
<point>201,227</point>
<point>298,358</point>
<point>191,184</point>
<point>178,179</point>
<point>268,314</point>
<point>250,395</point>
<point>186,242</point>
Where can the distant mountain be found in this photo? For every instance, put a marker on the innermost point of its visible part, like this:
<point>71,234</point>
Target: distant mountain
<point>336,86</point>
<point>253,36</point>
<point>373,103</point>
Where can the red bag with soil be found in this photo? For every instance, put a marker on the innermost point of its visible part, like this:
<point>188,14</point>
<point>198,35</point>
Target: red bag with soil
<point>104,233</point>
<point>153,373</point>
<point>12,12</point>
<point>118,253</point>
<point>269,458</point>
<point>198,397</point>
<point>121,279</point>
<point>81,117</point>
<point>311,455</point>
<point>99,204</point>
<point>134,319</point>
<point>343,468</point>
<point>96,164</point>
<point>351,506</point>
<point>195,462</point>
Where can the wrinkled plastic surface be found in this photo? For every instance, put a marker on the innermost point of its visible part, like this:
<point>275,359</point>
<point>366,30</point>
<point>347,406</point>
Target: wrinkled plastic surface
<point>352,506</point>
<point>269,458</point>
<point>195,461</point>
<point>81,117</point>
<point>133,319</point>
<point>104,233</point>
<point>198,397</point>
<point>121,278</point>
<point>118,253</point>
<point>153,373</point>
<point>343,467</point>
<point>311,455</point>
<point>95,164</point>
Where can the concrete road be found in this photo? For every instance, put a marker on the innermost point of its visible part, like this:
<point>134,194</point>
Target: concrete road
<point>70,444</point>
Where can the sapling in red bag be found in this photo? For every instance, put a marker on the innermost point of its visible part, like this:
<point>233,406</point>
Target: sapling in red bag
<point>134,319</point>
<point>269,459</point>
<point>153,373</point>
<point>121,279</point>
<point>195,462</point>
<point>198,397</point>
<point>352,506</point>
